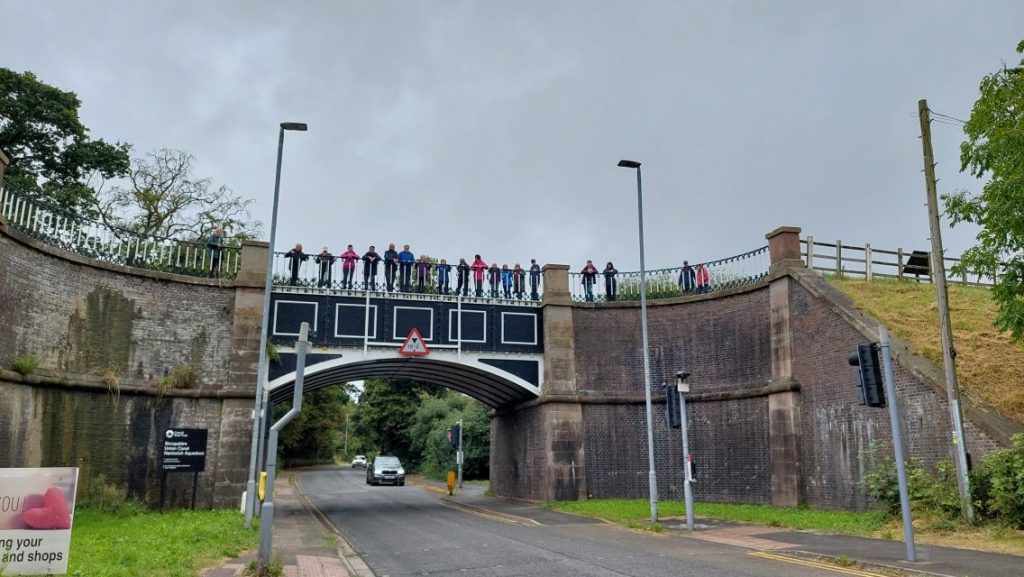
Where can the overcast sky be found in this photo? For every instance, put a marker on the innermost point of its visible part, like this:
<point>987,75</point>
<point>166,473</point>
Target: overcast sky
<point>495,127</point>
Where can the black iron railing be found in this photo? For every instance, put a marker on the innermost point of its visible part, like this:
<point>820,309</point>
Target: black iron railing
<point>695,278</point>
<point>328,272</point>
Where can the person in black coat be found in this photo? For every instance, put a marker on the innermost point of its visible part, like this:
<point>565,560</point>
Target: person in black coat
<point>611,285</point>
<point>390,266</point>
<point>370,260</point>
<point>462,273</point>
<point>297,257</point>
<point>326,261</point>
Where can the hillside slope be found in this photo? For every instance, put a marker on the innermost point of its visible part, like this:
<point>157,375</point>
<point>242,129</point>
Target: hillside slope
<point>990,367</point>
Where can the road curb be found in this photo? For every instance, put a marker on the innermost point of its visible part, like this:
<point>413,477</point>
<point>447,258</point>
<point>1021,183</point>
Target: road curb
<point>346,553</point>
<point>866,565</point>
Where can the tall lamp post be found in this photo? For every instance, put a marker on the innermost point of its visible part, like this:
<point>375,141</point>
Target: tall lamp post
<point>643,328</point>
<point>258,416</point>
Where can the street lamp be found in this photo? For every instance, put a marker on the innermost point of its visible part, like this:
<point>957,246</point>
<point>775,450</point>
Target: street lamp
<point>643,327</point>
<point>257,425</point>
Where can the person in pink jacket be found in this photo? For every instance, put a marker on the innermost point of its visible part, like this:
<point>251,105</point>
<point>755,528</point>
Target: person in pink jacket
<point>479,267</point>
<point>703,279</point>
<point>348,267</point>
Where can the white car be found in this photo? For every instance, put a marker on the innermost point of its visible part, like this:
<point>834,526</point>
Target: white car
<point>359,461</point>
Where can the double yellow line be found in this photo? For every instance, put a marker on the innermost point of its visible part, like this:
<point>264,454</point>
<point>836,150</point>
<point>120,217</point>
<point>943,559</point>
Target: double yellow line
<point>815,564</point>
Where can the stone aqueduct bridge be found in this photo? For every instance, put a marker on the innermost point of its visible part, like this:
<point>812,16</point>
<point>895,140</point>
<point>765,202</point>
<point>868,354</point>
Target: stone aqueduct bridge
<point>773,417</point>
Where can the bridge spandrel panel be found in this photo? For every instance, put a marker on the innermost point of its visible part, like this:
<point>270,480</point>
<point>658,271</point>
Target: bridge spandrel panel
<point>348,320</point>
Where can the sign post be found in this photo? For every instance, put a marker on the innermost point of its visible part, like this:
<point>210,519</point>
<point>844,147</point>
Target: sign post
<point>183,451</point>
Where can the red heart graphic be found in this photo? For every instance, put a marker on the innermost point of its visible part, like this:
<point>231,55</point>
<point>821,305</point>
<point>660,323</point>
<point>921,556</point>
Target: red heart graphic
<point>52,515</point>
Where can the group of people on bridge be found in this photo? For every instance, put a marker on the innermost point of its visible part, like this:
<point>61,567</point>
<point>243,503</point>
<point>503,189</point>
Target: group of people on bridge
<point>406,273</point>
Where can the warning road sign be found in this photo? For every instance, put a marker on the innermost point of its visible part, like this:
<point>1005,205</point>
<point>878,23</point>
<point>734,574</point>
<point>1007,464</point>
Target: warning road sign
<point>414,345</point>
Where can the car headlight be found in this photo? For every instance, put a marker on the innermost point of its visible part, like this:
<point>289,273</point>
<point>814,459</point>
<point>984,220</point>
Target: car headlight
<point>401,471</point>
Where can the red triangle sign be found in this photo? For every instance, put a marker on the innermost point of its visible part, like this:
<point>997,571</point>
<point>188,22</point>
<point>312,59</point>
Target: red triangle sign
<point>414,345</point>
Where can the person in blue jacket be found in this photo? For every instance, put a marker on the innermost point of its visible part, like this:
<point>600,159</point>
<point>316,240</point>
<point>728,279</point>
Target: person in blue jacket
<point>405,262</point>
<point>444,273</point>
<point>506,281</point>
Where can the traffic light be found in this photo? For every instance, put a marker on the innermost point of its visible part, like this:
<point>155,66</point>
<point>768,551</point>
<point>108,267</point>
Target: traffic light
<point>672,407</point>
<point>453,435</point>
<point>868,379</point>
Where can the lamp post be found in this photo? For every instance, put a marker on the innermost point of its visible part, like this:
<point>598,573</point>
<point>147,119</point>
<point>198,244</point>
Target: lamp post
<point>258,416</point>
<point>643,328</point>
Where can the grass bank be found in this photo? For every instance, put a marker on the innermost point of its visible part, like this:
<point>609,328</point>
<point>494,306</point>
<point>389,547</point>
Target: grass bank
<point>990,367</point>
<point>928,529</point>
<point>636,513</point>
<point>174,544</point>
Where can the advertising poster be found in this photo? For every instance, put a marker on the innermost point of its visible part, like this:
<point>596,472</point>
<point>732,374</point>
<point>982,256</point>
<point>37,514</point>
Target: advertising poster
<point>37,507</point>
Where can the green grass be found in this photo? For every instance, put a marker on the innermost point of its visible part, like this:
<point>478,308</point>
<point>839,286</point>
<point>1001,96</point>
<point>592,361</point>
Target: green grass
<point>636,513</point>
<point>175,544</point>
<point>989,365</point>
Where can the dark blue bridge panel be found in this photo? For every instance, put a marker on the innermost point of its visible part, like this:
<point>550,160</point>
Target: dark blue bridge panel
<point>337,320</point>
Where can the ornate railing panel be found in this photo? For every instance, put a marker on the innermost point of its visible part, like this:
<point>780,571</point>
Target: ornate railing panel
<point>309,277</point>
<point>55,227</point>
<point>735,271</point>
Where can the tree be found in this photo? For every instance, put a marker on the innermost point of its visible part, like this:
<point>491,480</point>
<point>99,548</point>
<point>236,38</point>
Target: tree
<point>385,414</point>
<point>161,197</point>
<point>315,435</point>
<point>50,150</point>
<point>994,149</point>
<point>429,435</point>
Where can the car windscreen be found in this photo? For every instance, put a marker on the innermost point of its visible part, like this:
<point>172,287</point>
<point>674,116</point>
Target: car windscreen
<point>387,462</point>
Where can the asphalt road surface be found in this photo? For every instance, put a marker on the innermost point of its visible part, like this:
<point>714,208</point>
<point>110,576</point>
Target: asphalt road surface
<point>407,531</point>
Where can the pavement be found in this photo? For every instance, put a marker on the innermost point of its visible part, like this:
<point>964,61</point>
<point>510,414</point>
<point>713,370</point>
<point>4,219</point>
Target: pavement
<point>316,549</point>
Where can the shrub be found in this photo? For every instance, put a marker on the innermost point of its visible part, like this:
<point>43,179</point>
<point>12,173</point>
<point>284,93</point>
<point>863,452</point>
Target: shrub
<point>108,498</point>
<point>1000,483</point>
<point>25,364</point>
<point>927,493</point>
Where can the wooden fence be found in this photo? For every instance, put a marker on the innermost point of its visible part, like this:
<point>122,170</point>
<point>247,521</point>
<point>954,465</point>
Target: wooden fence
<point>865,262</point>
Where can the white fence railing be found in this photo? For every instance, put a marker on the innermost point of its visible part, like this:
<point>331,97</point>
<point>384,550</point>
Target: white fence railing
<point>73,233</point>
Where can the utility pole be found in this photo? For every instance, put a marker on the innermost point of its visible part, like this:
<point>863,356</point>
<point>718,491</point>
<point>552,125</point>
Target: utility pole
<point>946,330</point>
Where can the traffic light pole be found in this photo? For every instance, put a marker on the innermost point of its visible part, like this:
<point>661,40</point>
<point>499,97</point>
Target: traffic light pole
<point>687,461</point>
<point>897,442</point>
<point>459,455</point>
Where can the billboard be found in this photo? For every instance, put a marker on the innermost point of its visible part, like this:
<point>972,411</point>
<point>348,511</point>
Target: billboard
<point>37,507</point>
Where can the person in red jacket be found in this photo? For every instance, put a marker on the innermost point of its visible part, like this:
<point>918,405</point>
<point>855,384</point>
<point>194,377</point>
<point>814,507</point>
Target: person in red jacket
<point>703,278</point>
<point>348,267</point>
<point>589,273</point>
<point>479,266</point>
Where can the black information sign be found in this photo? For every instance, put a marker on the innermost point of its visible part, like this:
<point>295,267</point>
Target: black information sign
<point>184,450</point>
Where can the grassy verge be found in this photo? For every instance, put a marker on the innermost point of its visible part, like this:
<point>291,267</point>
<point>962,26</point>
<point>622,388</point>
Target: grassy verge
<point>989,365</point>
<point>928,529</point>
<point>175,544</point>
<point>636,512</point>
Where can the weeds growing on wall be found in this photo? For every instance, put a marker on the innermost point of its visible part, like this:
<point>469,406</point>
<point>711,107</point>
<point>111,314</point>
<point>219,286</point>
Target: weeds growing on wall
<point>181,377</point>
<point>25,364</point>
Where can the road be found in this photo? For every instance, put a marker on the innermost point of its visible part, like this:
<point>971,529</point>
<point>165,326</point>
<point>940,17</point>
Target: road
<point>407,531</point>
